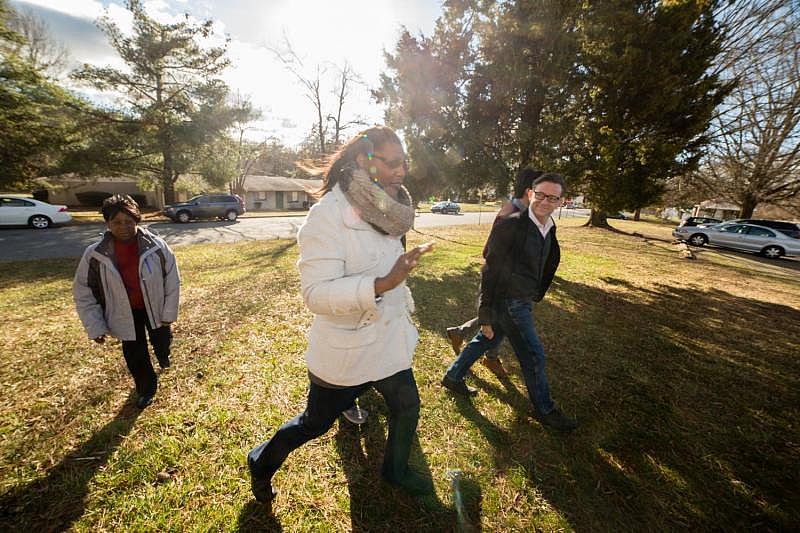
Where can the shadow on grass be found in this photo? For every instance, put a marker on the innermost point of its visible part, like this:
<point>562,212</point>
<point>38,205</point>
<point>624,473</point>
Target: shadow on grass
<point>54,502</point>
<point>467,500</point>
<point>40,271</point>
<point>256,516</point>
<point>687,402</point>
<point>374,504</point>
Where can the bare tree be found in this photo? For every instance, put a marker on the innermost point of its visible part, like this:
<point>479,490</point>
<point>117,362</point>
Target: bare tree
<point>346,79</point>
<point>312,81</point>
<point>755,155</point>
<point>247,155</point>
<point>752,27</point>
<point>39,48</point>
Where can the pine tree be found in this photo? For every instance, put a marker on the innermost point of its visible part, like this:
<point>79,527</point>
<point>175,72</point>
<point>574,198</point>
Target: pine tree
<point>646,99</point>
<point>173,97</point>
<point>37,122</point>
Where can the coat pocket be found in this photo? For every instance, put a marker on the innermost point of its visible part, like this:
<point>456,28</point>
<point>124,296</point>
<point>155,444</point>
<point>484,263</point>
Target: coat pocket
<point>345,338</point>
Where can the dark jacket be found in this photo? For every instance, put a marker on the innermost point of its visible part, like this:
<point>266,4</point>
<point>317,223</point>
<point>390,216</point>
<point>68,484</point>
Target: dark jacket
<point>505,249</point>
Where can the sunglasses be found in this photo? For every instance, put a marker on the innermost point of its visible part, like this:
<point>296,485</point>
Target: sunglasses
<point>391,163</point>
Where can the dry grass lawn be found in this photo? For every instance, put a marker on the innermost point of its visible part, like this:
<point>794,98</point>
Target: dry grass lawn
<point>683,374</point>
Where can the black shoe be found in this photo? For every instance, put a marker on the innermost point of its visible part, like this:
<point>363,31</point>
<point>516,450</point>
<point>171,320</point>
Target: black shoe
<point>144,401</point>
<point>163,362</point>
<point>557,420</point>
<point>261,486</point>
<point>458,387</point>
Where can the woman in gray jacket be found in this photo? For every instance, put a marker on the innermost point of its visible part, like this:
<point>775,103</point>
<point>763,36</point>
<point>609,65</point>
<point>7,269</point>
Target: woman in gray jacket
<point>128,284</point>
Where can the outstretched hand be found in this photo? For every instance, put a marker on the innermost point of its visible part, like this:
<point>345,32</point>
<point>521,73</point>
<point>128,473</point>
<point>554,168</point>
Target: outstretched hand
<point>402,267</point>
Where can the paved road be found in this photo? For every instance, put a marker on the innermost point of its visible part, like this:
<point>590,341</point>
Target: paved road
<point>69,241</point>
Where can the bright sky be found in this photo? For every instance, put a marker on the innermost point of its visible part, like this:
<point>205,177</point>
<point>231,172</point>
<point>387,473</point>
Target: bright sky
<point>322,32</point>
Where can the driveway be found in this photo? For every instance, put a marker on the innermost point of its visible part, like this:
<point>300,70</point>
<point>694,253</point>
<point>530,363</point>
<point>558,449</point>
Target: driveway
<point>19,244</point>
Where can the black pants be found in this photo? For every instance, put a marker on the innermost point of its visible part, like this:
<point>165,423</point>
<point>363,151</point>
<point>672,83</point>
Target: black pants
<point>138,358</point>
<point>325,405</point>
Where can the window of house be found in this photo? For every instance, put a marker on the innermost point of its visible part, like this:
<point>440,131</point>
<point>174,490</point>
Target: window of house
<point>262,195</point>
<point>295,196</point>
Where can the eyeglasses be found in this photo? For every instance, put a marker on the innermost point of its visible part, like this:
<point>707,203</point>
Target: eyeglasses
<point>553,199</point>
<point>392,164</point>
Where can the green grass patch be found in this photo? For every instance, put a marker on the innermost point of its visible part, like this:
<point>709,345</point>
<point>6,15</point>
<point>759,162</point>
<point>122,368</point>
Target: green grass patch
<point>683,374</point>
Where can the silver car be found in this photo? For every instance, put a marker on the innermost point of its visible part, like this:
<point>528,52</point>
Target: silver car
<point>747,237</point>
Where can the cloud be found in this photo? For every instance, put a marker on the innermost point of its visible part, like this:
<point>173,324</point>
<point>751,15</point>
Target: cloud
<point>85,9</point>
<point>85,41</point>
<point>322,32</point>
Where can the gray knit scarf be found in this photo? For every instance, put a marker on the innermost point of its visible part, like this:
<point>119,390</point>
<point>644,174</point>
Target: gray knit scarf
<point>372,204</point>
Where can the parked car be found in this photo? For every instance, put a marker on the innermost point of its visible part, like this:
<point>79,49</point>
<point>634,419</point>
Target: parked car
<point>446,207</point>
<point>789,228</point>
<point>619,214</point>
<point>221,206</point>
<point>747,237</point>
<point>16,211</point>
<point>699,221</point>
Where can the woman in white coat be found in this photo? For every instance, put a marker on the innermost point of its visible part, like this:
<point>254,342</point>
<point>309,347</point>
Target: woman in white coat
<point>352,272</point>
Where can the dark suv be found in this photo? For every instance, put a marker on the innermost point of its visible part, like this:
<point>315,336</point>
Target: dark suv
<point>787,228</point>
<point>221,206</point>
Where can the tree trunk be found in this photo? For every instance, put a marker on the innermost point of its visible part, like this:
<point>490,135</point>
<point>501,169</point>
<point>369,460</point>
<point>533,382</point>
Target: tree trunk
<point>597,219</point>
<point>237,186</point>
<point>749,204</point>
<point>637,213</point>
<point>169,192</point>
<point>167,180</point>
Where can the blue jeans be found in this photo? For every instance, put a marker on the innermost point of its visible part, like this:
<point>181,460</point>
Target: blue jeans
<point>325,405</point>
<point>515,321</point>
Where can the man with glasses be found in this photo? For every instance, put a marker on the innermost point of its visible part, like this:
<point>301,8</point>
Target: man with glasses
<point>522,255</point>
<point>458,334</point>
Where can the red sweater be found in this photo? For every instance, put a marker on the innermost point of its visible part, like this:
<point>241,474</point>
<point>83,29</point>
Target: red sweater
<point>127,254</point>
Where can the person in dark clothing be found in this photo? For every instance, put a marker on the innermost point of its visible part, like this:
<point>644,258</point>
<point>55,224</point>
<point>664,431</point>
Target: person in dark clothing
<point>127,285</point>
<point>522,255</point>
<point>456,335</point>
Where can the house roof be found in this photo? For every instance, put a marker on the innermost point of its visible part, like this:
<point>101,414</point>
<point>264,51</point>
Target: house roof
<point>73,179</point>
<point>311,186</point>
<point>279,183</point>
<point>719,204</point>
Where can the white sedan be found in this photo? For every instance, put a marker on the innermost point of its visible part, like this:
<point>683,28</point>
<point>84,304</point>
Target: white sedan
<point>15,211</point>
<point>748,237</point>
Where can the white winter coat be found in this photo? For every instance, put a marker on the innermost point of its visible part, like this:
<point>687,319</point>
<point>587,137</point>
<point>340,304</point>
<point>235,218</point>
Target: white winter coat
<point>100,295</point>
<point>353,338</point>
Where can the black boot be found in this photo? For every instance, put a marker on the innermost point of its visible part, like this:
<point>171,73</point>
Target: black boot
<point>260,485</point>
<point>557,420</point>
<point>396,470</point>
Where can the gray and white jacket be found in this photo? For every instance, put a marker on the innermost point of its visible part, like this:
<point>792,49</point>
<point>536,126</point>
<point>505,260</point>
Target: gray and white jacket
<point>100,295</point>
